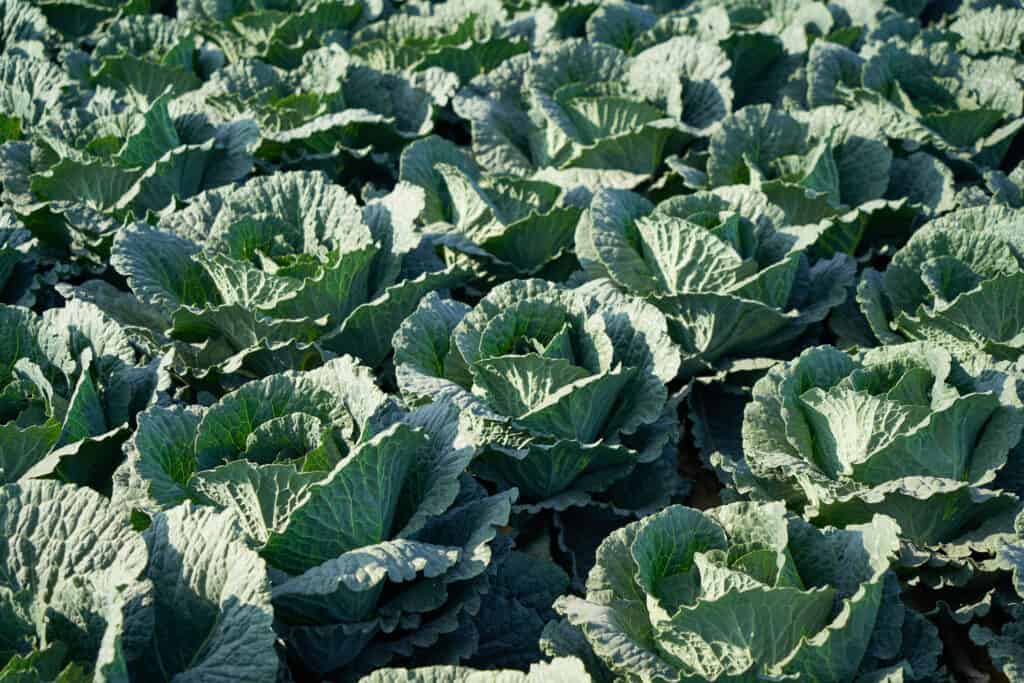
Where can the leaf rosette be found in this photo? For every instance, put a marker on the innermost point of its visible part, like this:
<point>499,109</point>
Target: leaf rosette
<point>742,592</point>
<point>331,106</point>
<point>587,114</point>
<point>74,575</point>
<point>827,155</point>
<point>902,431</point>
<point>122,160</point>
<point>376,542</point>
<point>559,670</point>
<point>729,282</point>
<point>85,597</point>
<point>564,390</point>
<point>245,280</point>
<point>145,55</point>
<point>953,100</point>
<point>510,226</point>
<point>952,285</point>
<point>71,384</point>
<point>277,33</point>
<point>442,45</point>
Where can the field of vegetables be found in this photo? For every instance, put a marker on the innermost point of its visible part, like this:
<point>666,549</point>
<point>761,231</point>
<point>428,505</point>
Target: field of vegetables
<point>511,341</point>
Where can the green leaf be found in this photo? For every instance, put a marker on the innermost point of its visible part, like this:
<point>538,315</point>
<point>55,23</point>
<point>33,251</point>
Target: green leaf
<point>262,495</point>
<point>212,614</point>
<point>160,268</point>
<point>354,506</point>
<point>73,556</point>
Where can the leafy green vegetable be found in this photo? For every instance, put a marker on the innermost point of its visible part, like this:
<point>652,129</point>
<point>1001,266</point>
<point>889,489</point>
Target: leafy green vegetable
<point>128,162</point>
<point>560,670</point>
<point>74,596</point>
<point>212,616</point>
<point>382,340</point>
<point>331,105</point>
<point>246,279</point>
<point>70,387</point>
<point>901,430</point>
<point>511,226</point>
<point>741,592</point>
<point>949,285</point>
<point>340,500</point>
<point>727,280</point>
<point>582,113</point>
<point>564,390</point>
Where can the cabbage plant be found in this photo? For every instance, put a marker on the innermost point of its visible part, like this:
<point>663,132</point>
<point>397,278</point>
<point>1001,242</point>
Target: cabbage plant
<point>583,113</point>
<point>146,55</point>
<point>903,431</point>
<point>951,283</point>
<point>957,101</point>
<point>74,576</point>
<point>25,28</point>
<point>509,225</point>
<point>825,153</point>
<point>742,592</point>
<point>71,384</point>
<point>729,281</point>
<point>442,45</point>
<point>86,597</point>
<point>278,32</point>
<point>559,670</point>
<point>32,90</point>
<point>376,542</point>
<point>122,159</point>
<point>1005,645</point>
<point>304,422</point>
<point>563,390</point>
<point>332,105</point>
<point>245,279</point>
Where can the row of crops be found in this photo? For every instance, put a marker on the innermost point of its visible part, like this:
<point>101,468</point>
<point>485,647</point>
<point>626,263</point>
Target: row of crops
<point>511,341</point>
